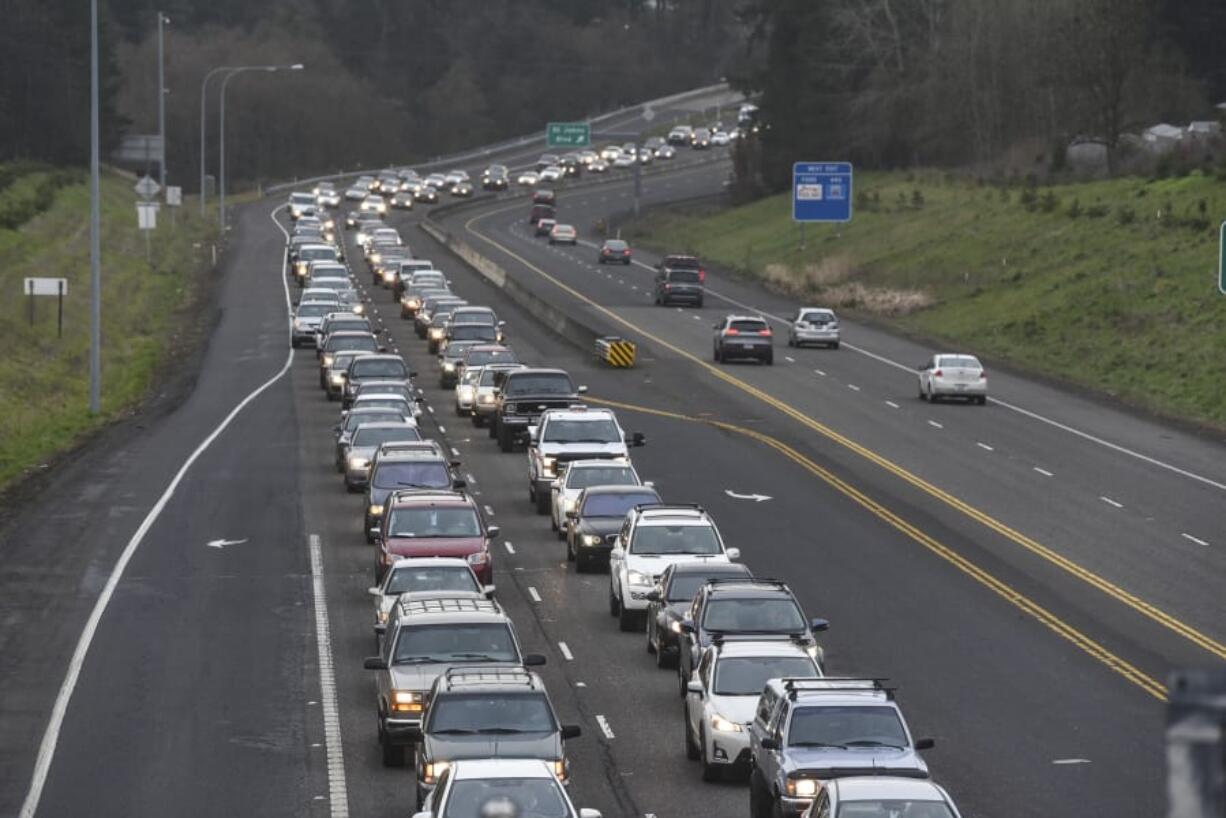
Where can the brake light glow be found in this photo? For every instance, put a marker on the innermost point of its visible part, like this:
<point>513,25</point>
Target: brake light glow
<point>702,275</point>
<point>766,332</point>
<point>732,331</point>
<point>938,374</point>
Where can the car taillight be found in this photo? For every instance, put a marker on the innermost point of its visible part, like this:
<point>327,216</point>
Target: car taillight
<point>766,332</point>
<point>732,331</point>
<point>938,374</point>
<point>668,286</point>
<point>702,276</point>
<point>983,374</point>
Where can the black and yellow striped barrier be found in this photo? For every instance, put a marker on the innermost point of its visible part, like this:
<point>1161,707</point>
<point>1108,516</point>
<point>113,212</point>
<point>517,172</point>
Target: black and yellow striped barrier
<point>615,351</point>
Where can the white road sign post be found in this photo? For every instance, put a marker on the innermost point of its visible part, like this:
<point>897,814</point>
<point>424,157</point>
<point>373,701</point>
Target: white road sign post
<point>47,286</point>
<point>147,221</point>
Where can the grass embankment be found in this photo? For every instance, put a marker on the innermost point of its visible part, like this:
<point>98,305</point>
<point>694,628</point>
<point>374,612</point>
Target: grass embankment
<point>44,380</point>
<point>1111,285</point>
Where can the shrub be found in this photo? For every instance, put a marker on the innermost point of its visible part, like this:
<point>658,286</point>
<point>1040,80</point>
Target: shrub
<point>1028,199</point>
<point>1074,209</point>
<point>1125,214</point>
<point>1096,211</point>
<point>1049,202</point>
<point>917,198</point>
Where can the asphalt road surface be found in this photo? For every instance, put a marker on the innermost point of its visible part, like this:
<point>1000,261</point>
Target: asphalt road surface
<point>1028,622</point>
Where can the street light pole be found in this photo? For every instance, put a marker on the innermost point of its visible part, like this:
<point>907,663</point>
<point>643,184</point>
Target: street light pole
<point>221,132</point>
<point>162,18</point>
<point>95,242</point>
<point>203,99</point>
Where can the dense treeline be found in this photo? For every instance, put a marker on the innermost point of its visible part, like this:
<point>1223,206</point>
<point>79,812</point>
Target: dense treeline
<point>385,81</point>
<point>891,83</point>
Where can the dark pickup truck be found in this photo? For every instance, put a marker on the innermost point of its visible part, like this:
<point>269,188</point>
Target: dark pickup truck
<point>523,395</point>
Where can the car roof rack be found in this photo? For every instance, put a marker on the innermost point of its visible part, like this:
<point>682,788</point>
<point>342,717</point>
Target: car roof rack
<point>836,684</point>
<point>748,580</point>
<point>644,508</point>
<point>508,675</point>
<point>447,604</point>
<point>720,638</point>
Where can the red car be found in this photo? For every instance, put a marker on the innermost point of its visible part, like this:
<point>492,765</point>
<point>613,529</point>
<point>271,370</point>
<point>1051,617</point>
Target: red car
<point>432,523</point>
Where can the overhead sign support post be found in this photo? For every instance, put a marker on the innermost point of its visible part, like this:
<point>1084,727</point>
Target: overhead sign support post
<point>1221,260</point>
<point>821,192</point>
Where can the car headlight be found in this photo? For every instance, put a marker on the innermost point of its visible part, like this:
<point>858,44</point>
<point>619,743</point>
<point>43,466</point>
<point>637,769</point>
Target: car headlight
<point>433,770</point>
<point>591,539</point>
<point>802,787</point>
<point>436,333</point>
<point>359,309</point>
<point>376,511</point>
<point>338,378</point>
<point>448,366</point>
<point>479,558</point>
<point>389,276</point>
<point>674,626</point>
<point>381,617</point>
<point>637,578</point>
<point>560,769</point>
<point>358,463</point>
<point>412,303</point>
<point>327,360</point>
<point>722,724</point>
<point>486,398</point>
<point>407,701</point>
<point>548,464</point>
<point>568,504</point>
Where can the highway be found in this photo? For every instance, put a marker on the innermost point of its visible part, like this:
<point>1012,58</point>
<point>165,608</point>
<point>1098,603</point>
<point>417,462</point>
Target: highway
<point>1021,572</point>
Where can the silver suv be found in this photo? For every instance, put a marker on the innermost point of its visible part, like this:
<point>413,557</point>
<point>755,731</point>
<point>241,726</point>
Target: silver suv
<point>489,712</point>
<point>429,636</point>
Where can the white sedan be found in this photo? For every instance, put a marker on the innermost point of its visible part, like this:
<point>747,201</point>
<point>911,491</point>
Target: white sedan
<point>553,173</point>
<point>953,376</point>
<point>528,178</point>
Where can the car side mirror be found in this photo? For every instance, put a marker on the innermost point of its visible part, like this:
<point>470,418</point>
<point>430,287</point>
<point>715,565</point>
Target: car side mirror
<point>925,743</point>
<point>492,531</point>
<point>501,324</point>
<point>687,626</point>
<point>487,591</point>
<point>733,553</point>
<point>652,596</point>
<point>571,731</point>
<point>383,349</point>
<point>694,686</point>
<point>572,514</point>
<point>336,428</point>
<point>412,373</point>
<point>638,439</point>
<point>459,483</point>
<point>582,390</point>
<point>922,367</point>
<point>818,625</point>
<point>375,663</point>
<point>374,591</point>
<point>533,660</point>
<point>770,744</point>
<point>455,464</point>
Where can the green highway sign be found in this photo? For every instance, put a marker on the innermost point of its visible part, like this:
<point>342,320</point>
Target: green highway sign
<point>1221,260</point>
<point>568,135</point>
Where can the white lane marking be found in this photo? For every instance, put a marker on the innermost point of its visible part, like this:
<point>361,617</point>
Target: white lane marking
<point>532,593</point>
<point>696,317</point>
<point>455,452</point>
<point>1111,502</point>
<point>472,481</point>
<point>51,736</point>
<point>338,790</point>
<point>442,429</point>
<point>565,649</point>
<point>634,286</point>
<point>430,409</point>
<point>820,372</point>
<point>510,548</point>
<point>1043,472</point>
<point>892,404</point>
<point>935,425</point>
<point>1196,540</point>
<point>1070,761</point>
<point>853,387</point>
<point>580,684</point>
<point>604,727</point>
<point>985,447</point>
<point>789,359</point>
<point>489,511</point>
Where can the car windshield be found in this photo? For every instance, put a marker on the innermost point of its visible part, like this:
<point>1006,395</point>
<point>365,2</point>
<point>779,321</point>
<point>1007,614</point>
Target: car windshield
<point>846,726</point>
<point>611,475</point>
<point>423,523</point>
<point>959,361</point>
<point>684,586</point>
<point>456,642</point>
<point>491,713</point>
<point>316,253</point>
<point>382,368</point>
<point>582,431</point>
<point>487,375</point>
<point>380,435</point>
<point>362,342</point>
<point>746,676</point>
<point>893,808</point>
<point>475,317</point>
<point>349,325</point>
<point>355,419</point>
<point>411,578</point>
<point>383,390</point>
<point>383,402</point>
<point>474,332</point>
<point>314,310</point>
<point>419,474</point>
<point>615,505</point>
<point>520,797</point>
<point>301,198</point>
<point>684,276</point>
<point>772,615</point>
<point>543,384</point>
<point>674,539</point>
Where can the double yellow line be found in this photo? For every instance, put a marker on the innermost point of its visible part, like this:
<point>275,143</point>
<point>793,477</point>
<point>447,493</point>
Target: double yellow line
<point>1109,588</point>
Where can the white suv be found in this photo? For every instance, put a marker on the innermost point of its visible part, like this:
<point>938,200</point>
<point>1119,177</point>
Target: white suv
<point>576,433</point>
<point>651,539</point>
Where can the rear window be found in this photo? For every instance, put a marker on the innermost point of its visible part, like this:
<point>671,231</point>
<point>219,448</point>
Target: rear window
<point>959,361</point>
<point>817,317</point>
<point>749,326</point>
<point>376,437</point>
<point>552,384</point>
<point>614,244</point>
<point>410,578</point>
<point>364,342</point>
<point>474,332</point>
<point>684,276</point>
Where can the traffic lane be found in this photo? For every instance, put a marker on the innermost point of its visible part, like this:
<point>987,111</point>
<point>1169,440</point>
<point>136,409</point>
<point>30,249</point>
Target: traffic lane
<point>964,473</point>
<point>902,633</point>
<point>541,556</point>
<point>60,549</point>
<point>196,671</point>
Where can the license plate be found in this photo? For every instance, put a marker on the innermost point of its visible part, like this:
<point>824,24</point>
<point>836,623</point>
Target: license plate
<point>960,386</point>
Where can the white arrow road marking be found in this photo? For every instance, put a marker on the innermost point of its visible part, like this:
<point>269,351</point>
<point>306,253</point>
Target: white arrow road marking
<point>223,543</point>
<point>757,498</point>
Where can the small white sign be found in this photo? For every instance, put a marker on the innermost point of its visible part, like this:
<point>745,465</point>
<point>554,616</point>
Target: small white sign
<point>648,114</point>
<point>146,188</point>
<point>174,195</point>
<point>809,192</point>
<point>45,286</point>
<point>147,215</point>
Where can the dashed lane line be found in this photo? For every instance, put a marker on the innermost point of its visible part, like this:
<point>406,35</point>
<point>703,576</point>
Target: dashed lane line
<point>564,649</point>
<point>536,597</point>
<point>1111,502</point>
<point>605,728</point>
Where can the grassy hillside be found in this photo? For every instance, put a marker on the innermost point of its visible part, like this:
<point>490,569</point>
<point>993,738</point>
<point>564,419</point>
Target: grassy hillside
<point>1111,284</point>
<point>44,400</point>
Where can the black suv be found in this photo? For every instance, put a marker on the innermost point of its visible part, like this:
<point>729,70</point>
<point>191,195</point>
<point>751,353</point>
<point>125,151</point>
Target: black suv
<point>488,712</point>
<point>523,394</point>
<point>742,608</point>
<point>668,604</point>
<point>680,279</point>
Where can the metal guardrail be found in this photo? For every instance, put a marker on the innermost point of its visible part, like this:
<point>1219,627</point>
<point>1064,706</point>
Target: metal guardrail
<point>615,351</point>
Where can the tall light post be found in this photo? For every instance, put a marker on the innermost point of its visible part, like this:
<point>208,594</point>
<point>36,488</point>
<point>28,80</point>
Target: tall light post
<point>221,132</point>
<point>162,20</point>
<point>95,242</point>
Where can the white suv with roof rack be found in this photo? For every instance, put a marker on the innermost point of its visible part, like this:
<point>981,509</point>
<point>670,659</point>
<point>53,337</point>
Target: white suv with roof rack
<point>652,538</point>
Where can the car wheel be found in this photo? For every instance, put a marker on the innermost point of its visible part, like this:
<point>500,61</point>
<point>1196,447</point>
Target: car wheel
<point>615,607</point>
<point>691,749</point>
<point>570,551</point>
<point>715,354</point>
<point>664,659</point>
<point>983,400</point>
<point>922,394</point>
<point>293,342</point>
<point>758,798</point>
<point>769,360</point>
<point>626,262</point>
<point>835,345</point>
<point>583,565</point>
<point>542,502</point>
<point>493,433</point>
<point>791,340</point>
<point>683,678</point>
<point>627,620</point>
<point>504,440</point>
<point>932,395</point>
<point>350,487</point>
<point>478,421</point>
<point>710,772</point>
<point>651,628</point>
<point>393,756</point>
<point>699,304</point>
